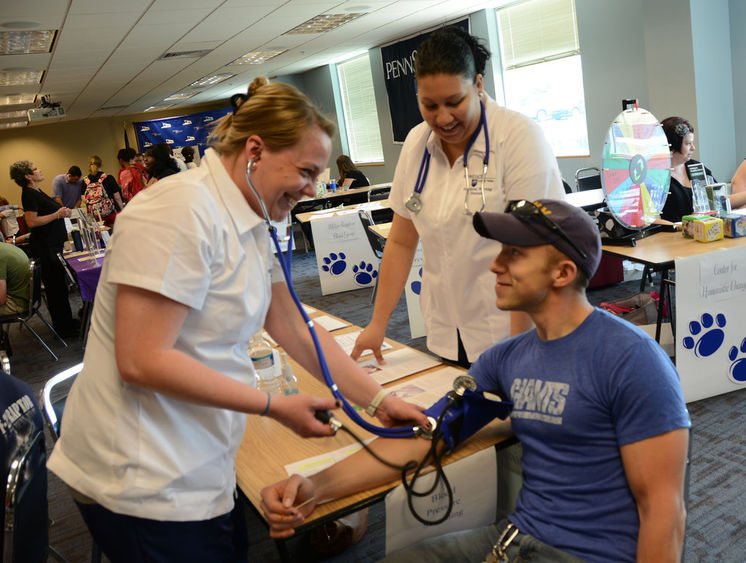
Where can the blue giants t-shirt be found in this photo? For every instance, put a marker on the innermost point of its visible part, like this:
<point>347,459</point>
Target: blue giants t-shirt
<point>577,399</point>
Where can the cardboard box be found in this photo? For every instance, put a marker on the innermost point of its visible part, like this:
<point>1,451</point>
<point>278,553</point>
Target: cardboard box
<point>707,229</point>
<point>687,220</point>
<point>734,225</point>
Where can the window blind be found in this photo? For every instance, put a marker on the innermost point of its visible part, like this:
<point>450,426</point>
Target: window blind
<point>537,31</point>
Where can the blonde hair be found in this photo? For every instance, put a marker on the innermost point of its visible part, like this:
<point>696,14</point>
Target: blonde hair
<point>278,113</point>
<point>94,164</point>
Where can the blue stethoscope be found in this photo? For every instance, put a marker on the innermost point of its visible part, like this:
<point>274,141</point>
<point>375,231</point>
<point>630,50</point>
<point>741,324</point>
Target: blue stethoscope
<point>285,262</point>
<point>414,203</point>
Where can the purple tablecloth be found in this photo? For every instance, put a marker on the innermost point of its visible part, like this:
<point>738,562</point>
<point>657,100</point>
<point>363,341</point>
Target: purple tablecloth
<point>88,272</point>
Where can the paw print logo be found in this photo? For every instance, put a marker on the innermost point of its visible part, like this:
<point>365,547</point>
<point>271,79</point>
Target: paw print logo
<point>364,273</point>
<point>710,340</point>
<point>416,286</point>
<point>335,263</point>
<point>738,367</point>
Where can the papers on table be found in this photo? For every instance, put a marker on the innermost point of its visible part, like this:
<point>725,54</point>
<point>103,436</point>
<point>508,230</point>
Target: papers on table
<point>330,323</point>
<point>347,342</point>
<point>399,363</point>
<point>311,465</point>
<point>428,388</point>
<point>309,310</point>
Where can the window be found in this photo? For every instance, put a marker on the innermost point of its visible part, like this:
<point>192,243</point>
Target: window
<point>359,110</point>
<point>542,74</point>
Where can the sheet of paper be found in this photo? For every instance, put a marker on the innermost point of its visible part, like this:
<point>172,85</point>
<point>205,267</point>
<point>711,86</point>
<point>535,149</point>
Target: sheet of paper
<point>427,389</point>
<point>311,465</point>
<point>400,363</point>
<point>330,323</point>
<point>347,342</point>
<point>309,310</point>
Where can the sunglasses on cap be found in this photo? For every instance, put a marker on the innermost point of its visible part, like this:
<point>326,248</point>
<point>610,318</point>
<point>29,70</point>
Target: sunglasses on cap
<point>524,210</point>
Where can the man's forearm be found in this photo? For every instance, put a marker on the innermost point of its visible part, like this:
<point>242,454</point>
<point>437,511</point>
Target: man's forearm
<point>661,534</point>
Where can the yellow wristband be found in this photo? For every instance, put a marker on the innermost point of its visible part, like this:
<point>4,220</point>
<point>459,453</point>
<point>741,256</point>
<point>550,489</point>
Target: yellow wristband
<point>375,403</point>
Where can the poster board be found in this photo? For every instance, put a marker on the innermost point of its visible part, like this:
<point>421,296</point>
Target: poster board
<point>710,322</point>
<point>412,291</point>
<point>344,257</point>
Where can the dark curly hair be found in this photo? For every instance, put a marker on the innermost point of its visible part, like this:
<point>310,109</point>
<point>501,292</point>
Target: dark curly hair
<point>451,50</point>
<point>676,128</point>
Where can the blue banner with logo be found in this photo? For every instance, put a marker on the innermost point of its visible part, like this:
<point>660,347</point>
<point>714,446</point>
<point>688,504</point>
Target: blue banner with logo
<point>186,130</point>
<point>398,73</point>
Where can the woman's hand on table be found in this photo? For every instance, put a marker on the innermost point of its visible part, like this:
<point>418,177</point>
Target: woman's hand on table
<point>63,212</point>
<point>371,338</point>
<point>394,412</point>
<point>286,504</point>
<point>297,413</point>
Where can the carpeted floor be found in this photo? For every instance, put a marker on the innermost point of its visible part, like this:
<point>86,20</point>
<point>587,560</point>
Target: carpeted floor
<point>716,528</point>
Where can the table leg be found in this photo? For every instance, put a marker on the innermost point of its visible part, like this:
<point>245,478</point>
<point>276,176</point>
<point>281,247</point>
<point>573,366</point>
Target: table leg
<point>661,304</point>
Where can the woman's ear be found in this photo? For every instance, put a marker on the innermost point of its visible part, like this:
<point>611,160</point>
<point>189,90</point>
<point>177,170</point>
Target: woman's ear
<point>479,83</point>
<point>253,148</point>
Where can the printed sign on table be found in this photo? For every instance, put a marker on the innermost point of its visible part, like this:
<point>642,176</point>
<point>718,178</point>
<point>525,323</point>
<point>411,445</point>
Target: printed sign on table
<point>412,290</point>
<point>343,254</point>
<point>474,485</point>
<point>710,323</point>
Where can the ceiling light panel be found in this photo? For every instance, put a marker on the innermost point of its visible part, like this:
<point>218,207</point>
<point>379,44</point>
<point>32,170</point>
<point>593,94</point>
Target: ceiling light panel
<point>13,114</point>
<point>180,96</point>
<point>26,42</point>
<point>20,77</point>
<point>17,99</point>
<point>210,80</point>
<point>258,57</point>
<point>323,23</point>
<point>13,124</point>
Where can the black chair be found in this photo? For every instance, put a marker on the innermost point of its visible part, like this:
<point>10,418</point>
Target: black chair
<point>34,302</point>
<point>588,179</point>
<point>26,534</point>
<point>378,194</point>
<point>375,242</point>
<point>568,189</point>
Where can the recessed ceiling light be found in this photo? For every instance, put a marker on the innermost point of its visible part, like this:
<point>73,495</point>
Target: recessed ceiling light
<point>13,114</point>
<point>20,77</point>
<point>20,25</point>
<point>210,80</point>
<point>323,23</point>
<point>25,42</point>
<point>257,57</point>
<point>17,99</point>
<point>185,54</point>
<point>13,124</point>
<point>180,96</point>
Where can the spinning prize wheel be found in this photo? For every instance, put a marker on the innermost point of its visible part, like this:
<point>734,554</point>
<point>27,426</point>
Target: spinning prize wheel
<point>636,168</point>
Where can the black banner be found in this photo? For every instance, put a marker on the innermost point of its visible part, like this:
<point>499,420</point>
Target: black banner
<point>398,72</point>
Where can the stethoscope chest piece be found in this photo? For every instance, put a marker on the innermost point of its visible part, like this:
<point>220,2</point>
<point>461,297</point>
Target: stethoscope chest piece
<point>414,203</point>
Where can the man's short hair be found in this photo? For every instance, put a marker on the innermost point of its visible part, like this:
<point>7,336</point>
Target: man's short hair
<point>546,221</point>
<point>75,172</point>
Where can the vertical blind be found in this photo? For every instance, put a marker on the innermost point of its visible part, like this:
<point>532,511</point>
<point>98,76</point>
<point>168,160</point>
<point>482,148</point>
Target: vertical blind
<point>537,31</point>
<point>359,108</point>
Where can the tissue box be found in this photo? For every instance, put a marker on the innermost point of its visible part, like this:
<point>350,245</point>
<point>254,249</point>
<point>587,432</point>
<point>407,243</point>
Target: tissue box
<point>734,225</point>
<point>707,229</point>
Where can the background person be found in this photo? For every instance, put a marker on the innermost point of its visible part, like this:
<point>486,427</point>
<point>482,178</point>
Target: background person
<point>679,202</point>
<point>96,174</point>
<point>456,293</point>
<point>130,176</point>
<point>45,218</point>
<point>14,279</point>
<point>738,183</point>
<point>153,422</point>
<point>188,154</point>
<point>602,423</point>
<point>68,188</point>
<point>159,163</point>
<point>9,222</point>
<point>347,169</point>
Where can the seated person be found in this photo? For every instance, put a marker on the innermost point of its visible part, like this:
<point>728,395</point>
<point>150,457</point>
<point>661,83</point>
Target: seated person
<point>14,279</point>
<point>347,169</point>
<point>603,423</point>
<point>9,222</point>
<point>21,420</point>
<point>680,135</point>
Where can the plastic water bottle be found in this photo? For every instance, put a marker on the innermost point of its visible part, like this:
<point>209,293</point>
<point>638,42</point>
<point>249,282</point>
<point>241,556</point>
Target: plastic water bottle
<point>289,381</point>
<point>333,185</point>
<point>263,359</point>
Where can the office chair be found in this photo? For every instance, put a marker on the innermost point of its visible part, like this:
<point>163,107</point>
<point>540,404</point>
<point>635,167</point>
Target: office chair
<point>378,194</point>
<point>26,533</point>
<point>568,189</point>
<point>72,282</point>
<point>588,179</point>
<point>375,245</point>
<point>34,301</point>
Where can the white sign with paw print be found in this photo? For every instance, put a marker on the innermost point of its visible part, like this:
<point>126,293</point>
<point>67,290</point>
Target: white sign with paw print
<point>343,254</point>
<point>711,323</point>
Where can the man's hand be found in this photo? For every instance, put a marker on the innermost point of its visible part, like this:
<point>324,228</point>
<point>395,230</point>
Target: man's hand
<point>371,338</point>
<point>286,504</point>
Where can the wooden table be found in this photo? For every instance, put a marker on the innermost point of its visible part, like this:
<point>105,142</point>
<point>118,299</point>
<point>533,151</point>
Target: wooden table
<point>268,446</point>
<point>660,251</point>
<point>381,230</point>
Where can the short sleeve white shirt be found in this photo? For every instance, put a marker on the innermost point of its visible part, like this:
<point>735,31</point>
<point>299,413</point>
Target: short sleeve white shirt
<point>193,238</point>
<point>458,290</point>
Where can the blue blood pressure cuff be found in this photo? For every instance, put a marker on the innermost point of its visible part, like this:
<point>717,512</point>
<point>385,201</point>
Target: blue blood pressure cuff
<point>468,412</point>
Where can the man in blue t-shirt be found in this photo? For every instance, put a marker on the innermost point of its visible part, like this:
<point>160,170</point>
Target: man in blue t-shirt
<point>597,406</point>
<point>67,189</point>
